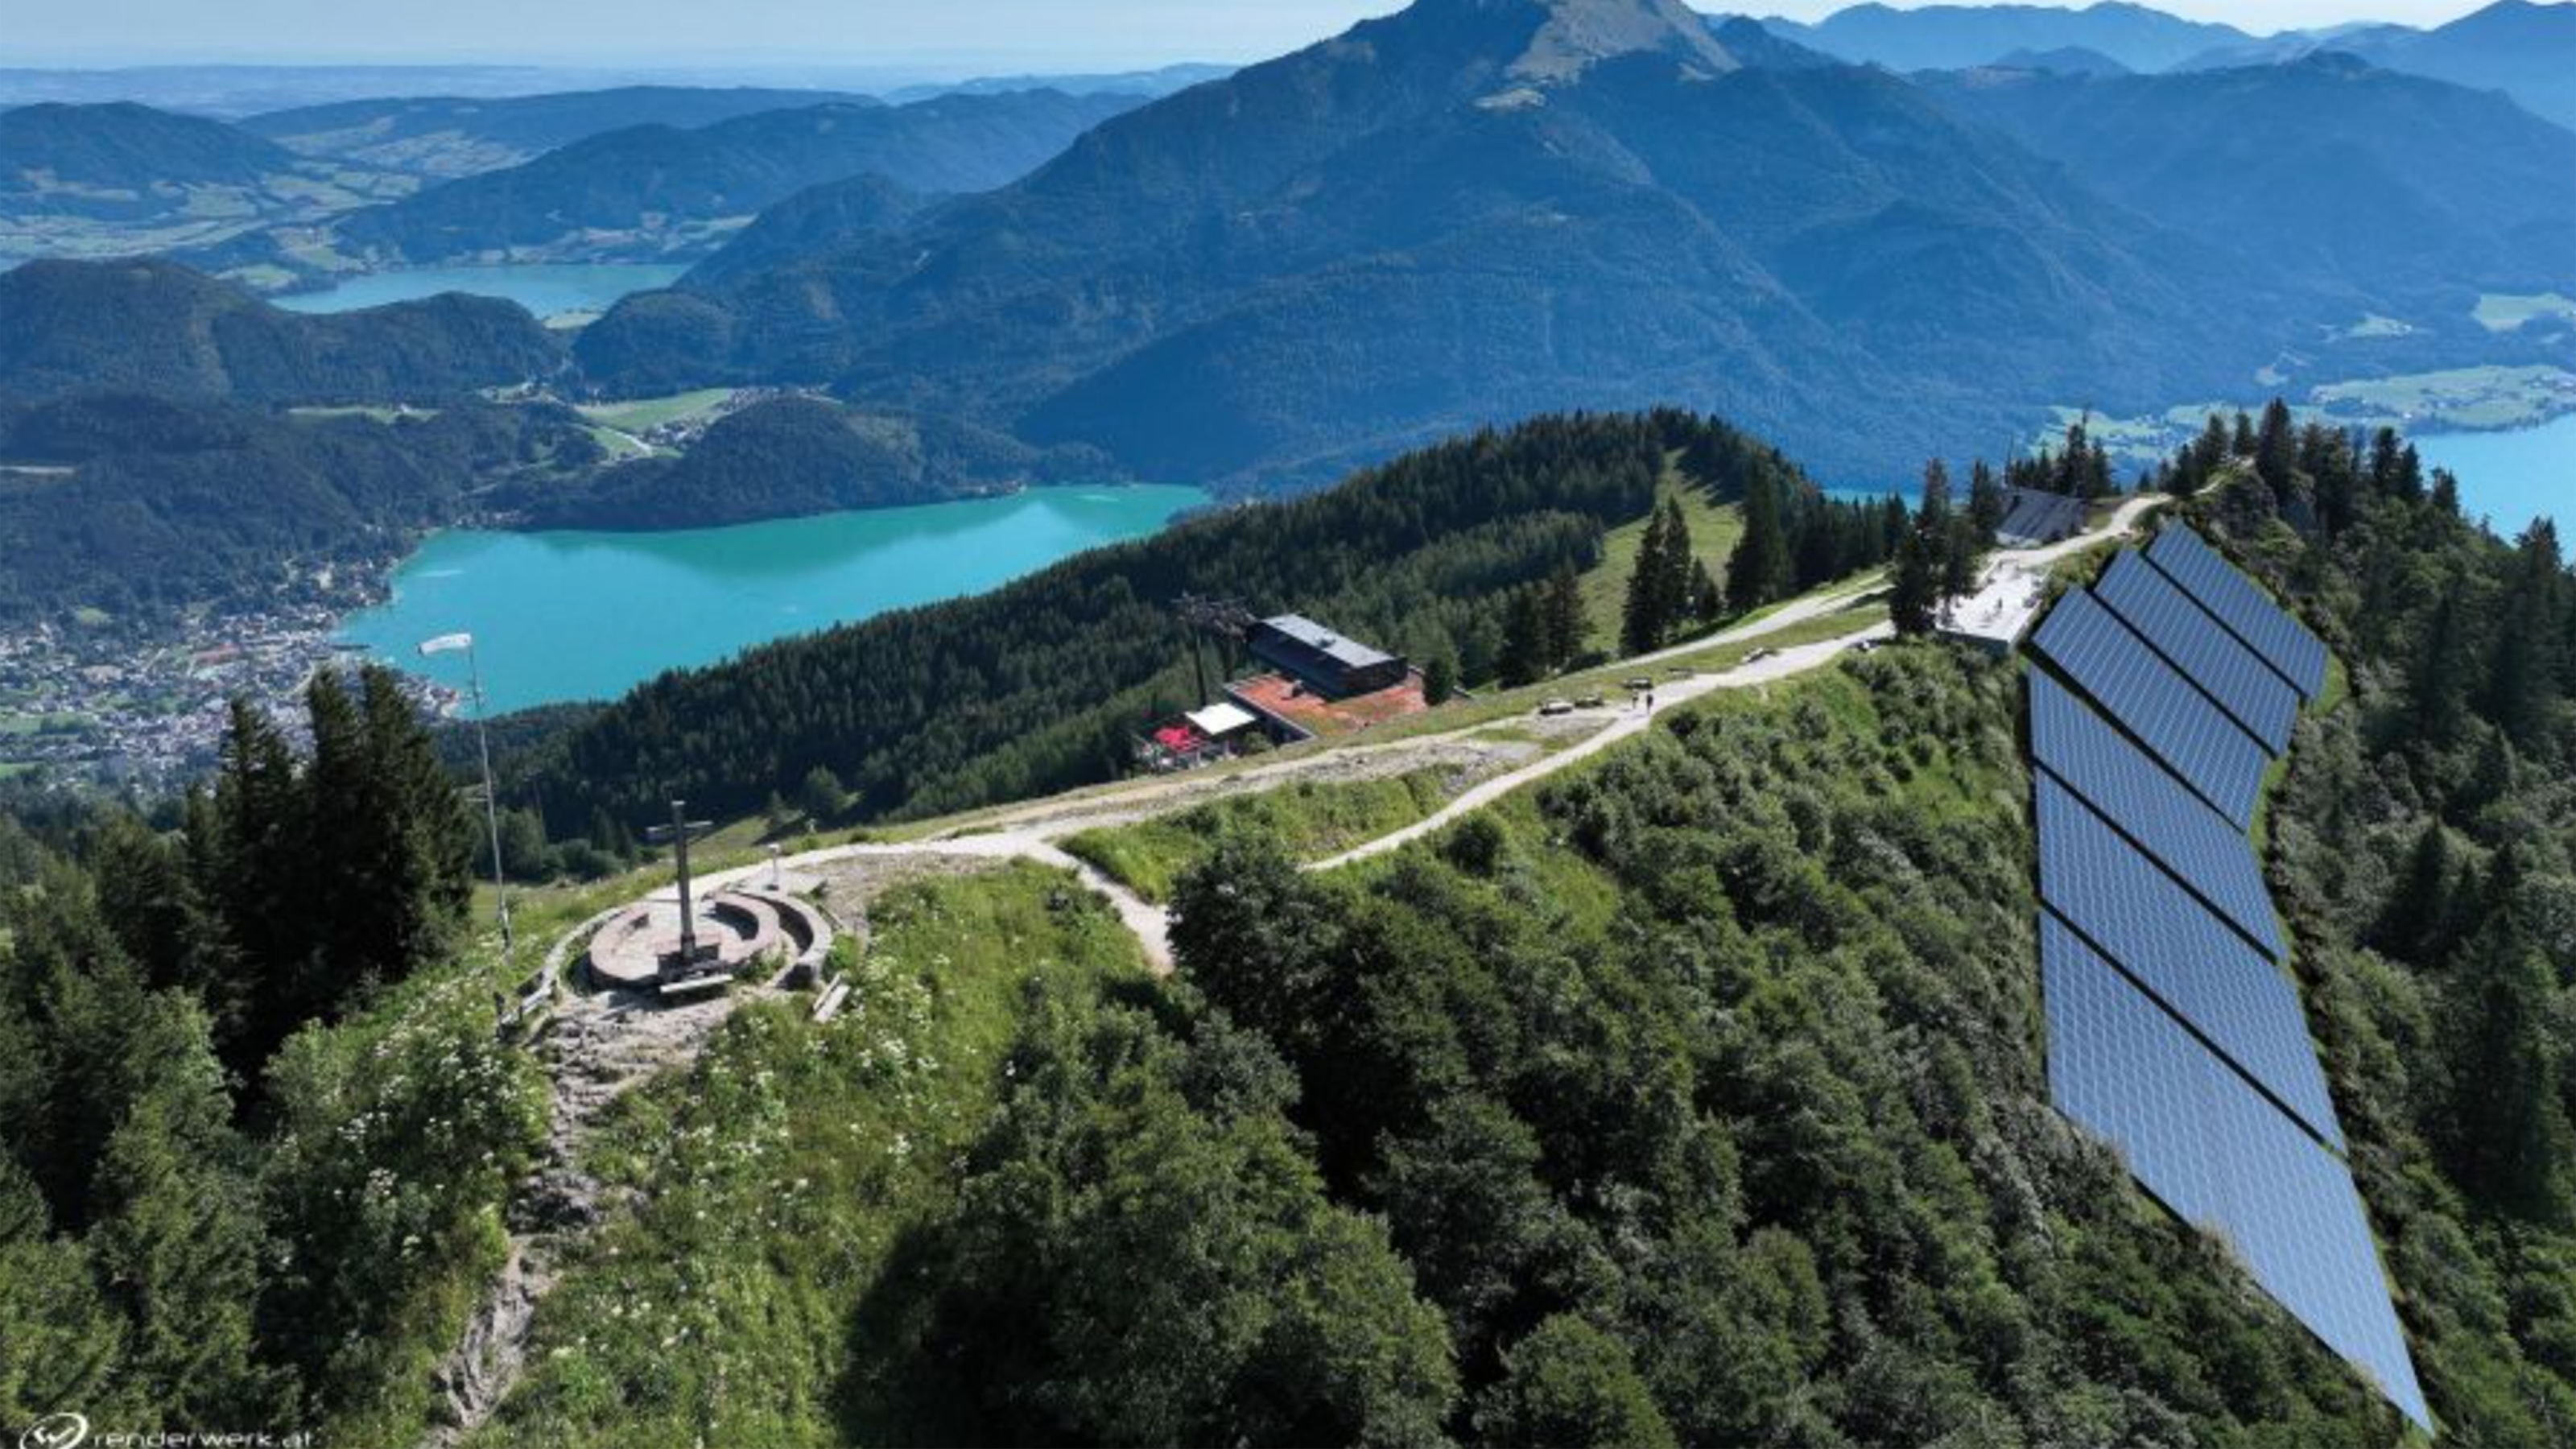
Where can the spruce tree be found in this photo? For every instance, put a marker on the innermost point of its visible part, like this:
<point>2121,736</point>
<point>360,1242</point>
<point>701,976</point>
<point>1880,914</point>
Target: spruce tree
<point>2276,447</point>
<point>60,1341</point>
<point>1525,639</point>
<point>2439,685</point>
<point>178,1245</point>
<point>2506,1126</point>
<point>2525,664</point>
<point>1708,601</point>
<point>1673,570</point>
<point>1569,626</point>
<point>2446,493</point>
<point>1758,571</point>
<point>252,853</point>
<point>1986,502</point>
<point>1439,679</point>
<point>2415,924</point>
<point>1962,558</point>
<point>1641,620</point>
<point>1914,596</point>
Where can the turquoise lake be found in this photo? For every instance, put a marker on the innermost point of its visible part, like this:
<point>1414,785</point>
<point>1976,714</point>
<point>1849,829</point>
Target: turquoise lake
<point>548,290</point>
<point>2511,478</point>
<point>576,616</point>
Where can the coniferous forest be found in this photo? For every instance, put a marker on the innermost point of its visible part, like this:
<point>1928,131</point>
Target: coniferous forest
<point>1036,686</point>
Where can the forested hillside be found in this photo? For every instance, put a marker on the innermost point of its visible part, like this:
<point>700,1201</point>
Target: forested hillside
<point>254,1126</point>
<point>158,327</point>
<point>1038,685</point>
<point>144,506</point>
<point>1698,1098</point>
<point>794,457</point>
<point>1693,1097</point>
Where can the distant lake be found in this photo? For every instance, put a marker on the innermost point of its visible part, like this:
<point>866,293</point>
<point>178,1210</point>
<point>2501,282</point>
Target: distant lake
<point>2510,477</point>
<point>547,289</point>
<point>573,616</point>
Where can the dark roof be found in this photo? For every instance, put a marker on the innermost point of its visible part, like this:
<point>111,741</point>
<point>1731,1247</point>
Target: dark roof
<point>1348,653</point>
<point>2040,517</point>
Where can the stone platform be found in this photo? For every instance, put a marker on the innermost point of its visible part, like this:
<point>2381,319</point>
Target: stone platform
<point>743,926</point>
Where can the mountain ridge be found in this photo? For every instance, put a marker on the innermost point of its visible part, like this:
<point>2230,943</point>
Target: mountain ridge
<point>1401,232</point>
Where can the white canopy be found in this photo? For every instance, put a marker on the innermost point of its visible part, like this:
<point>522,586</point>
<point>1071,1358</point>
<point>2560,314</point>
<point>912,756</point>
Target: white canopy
<point>1219,720</point>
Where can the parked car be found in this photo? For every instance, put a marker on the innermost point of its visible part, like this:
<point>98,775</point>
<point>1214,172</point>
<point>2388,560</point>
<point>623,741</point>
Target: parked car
<point>1556,707</point>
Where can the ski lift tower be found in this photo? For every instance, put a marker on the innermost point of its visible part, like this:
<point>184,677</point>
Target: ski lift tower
<point>1209,617</point>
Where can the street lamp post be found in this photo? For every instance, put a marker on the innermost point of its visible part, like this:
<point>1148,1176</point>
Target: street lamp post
<point>452,643</point>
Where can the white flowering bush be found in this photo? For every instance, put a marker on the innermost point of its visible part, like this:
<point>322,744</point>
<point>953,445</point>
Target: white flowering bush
<point>396,1152</point>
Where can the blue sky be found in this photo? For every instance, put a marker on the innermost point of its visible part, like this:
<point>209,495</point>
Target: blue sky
<point>976,34</point>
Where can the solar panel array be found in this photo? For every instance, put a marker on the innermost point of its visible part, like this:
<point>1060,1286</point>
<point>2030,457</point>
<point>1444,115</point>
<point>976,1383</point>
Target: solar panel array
<point>2174,948</point>
<point>2173,1033</point>
<point>2231,675</point>
<point>2152,808</point>
<point>2143,695</point>
<point>2221,1158</point>
<point>2240,607</point>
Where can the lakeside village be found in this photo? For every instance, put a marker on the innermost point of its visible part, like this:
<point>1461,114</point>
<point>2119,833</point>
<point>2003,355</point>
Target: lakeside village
<point>81,700</point>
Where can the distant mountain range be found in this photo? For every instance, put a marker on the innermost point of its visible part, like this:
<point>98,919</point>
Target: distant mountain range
<point>2064,59</point>
<point>155,327</point>
<point>1161,81</point>
<point>1954,37</point>
<point>79,178</point>
<point>656,191</point>
<point>2389,186</point>
<point>450,136</point>
<point>1480,209</point>
<point>2525,49</point>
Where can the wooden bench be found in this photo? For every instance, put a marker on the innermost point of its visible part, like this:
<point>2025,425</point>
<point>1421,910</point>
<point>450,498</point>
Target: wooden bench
<point>715,984</point>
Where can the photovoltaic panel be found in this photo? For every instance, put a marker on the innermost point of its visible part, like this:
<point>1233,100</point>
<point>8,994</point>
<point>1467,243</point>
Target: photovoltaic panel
<point>2221,1158</point>
<point>2180,630</point>
<point>2246,611</point>
<point>2133,792</point>
<point>2178,952</point>
<point>2120,1066</point>
<point>2144,695</point>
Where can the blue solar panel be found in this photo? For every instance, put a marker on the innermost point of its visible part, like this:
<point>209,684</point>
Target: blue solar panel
<point>2220,762</point>
<point>2151,807</point>
<point>2175,949</point>
<point>2221,1158</point>
<point>2248,613</point>
<point>2119,1065</point>
<point>2191,641</point>
<point>2298,1222</point>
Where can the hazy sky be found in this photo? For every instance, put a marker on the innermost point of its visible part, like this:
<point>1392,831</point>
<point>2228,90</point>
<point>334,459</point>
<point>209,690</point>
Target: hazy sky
<point>1051,33</point>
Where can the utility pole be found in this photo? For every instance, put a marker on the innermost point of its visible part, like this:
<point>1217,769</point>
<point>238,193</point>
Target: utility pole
<point>449,644</point>
<point>678,833</point>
